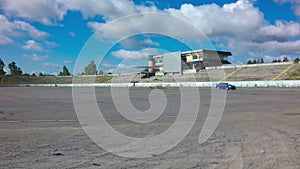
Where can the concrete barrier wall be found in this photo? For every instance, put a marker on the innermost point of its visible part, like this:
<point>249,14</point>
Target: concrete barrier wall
<point>237,84</point>
<point>287,83</point>
<point>251,65</point>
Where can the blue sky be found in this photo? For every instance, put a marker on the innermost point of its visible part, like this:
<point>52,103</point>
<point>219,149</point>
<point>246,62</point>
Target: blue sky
<point>44,35</point>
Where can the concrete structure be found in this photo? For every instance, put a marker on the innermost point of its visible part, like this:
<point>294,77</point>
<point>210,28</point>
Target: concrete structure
<point>189,61</point>
<point>151,64</point>
<point>172,62</point>
<point>283,83</point>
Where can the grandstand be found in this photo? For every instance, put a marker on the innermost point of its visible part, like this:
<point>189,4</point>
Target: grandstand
<point>257,72</point>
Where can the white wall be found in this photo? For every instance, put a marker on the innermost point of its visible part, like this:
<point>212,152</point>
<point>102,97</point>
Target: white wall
<point>287,83</point>
<point>250,65</point>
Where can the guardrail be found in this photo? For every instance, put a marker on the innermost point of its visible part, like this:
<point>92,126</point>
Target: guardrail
<point>286,83</point>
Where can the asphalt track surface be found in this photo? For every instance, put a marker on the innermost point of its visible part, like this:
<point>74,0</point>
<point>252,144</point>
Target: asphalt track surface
<point>260,128</point>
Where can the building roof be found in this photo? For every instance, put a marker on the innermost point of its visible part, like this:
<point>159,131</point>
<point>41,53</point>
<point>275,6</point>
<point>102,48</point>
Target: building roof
<point>208,51</point>
<point>223,53</point>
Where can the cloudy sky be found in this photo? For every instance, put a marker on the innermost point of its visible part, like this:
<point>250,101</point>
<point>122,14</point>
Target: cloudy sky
<point>44,35</point>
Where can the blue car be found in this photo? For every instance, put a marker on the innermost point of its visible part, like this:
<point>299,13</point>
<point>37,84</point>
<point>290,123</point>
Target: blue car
<point>225,86</point>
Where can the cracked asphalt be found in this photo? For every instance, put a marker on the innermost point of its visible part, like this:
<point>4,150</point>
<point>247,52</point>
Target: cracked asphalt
<point>260,128</point>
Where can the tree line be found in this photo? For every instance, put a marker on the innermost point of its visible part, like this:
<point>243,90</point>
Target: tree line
<point>254,61</point>
<point>13,68</point>
<point>90,69</point>
<point>259,61</point>
<point>17,71</point>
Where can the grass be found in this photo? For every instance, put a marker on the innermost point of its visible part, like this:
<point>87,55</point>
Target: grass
<point>294,76</point>
<point>53,79</point>
<point>158,87</point>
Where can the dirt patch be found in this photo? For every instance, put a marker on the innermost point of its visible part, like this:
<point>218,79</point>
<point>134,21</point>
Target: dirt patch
<point>6,116</point>
<point>256,131</point>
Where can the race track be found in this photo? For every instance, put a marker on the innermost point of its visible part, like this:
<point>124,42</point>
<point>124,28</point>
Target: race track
<point>260,128</point>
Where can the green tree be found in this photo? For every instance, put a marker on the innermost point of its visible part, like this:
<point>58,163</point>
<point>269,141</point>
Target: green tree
<point>249,62</point>
<point>45,74</point>
<point>2,72</point>
<point>26,74</point>
<point>101,72</point>
<point>285,59</point>
<point>91,69</point>
<point>296,60</point>
<point>14,69</point>
<point>254,61</point>
<point>65,72</point>
<point>262,60</point>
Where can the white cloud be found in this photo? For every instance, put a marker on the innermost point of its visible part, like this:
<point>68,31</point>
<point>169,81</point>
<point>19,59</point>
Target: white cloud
<point>5,40</point>
<point>152,23</point>
<point>137,42</point>
<point>95,26</point>
<point>241,48</point>
<point>6,30</point>
<point>53,65</point>
<point>35,57</point>
<point>239,27</point>
<point>285,1</point>
<point>32,31</point>
<point>6,70</point>
<point>51,44</point>
<point>6,27</point>
<point>67,61</point>
<point>297,10</point>
<point>119,68</point>
<point>269,59</point>
<point>241,24</point>
<point>132,43</point>
<point>108,9</point>
<point>44,11</point>
<point>239,5</point>
<point>238,20</point>
<point>233,20</point>
<point>295,5</point>
<point>32,45</point>
<point>282,30</point>
<point>49,11</point>
<point>16,29</point>
<point>150,42</point>
<point>107,65</point>
<point>134,55</point>
<point>72,34</point>
<point>122,68</point>
<point>253,49</point>
<point>283,48</point>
